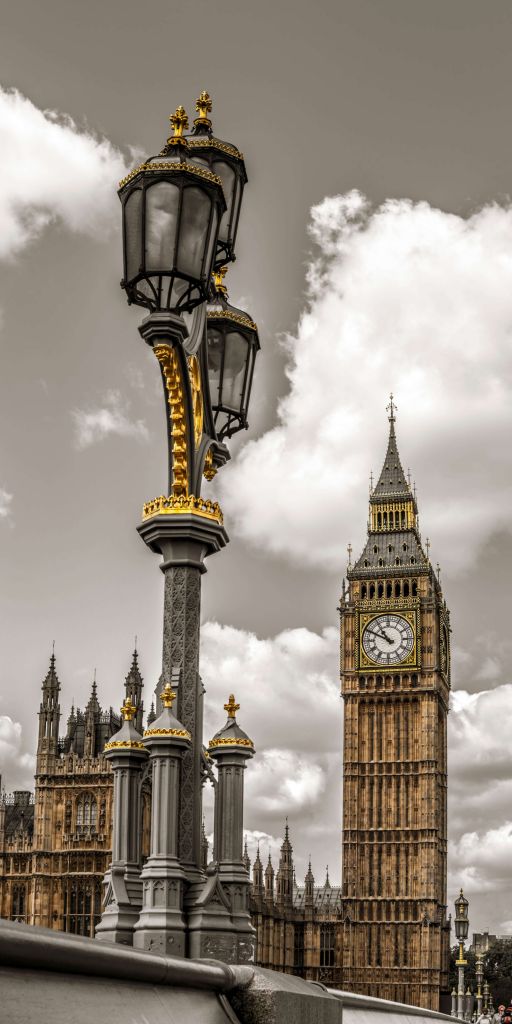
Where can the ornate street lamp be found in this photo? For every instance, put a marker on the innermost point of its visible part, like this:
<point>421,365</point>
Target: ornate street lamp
<point>461,931</point>
<point>232,346</point>
<point>180,219</point>
<point>226,161</point>
<point>171,213</point>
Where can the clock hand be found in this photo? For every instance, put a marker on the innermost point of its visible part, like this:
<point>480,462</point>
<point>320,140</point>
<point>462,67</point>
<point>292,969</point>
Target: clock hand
<point>381,632</point>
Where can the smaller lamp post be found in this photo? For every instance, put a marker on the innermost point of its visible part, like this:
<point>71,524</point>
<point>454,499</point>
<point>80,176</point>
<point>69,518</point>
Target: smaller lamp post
<point>486,997</point>
<point>479,972</point>
<point>461,931</point>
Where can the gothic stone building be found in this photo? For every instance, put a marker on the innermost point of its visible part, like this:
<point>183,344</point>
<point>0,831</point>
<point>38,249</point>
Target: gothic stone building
<point>56,846</point>
<point>385,931</point>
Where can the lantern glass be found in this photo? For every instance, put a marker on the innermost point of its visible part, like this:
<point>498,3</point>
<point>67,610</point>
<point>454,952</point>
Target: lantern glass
<point>195,221</point>
<point>162,205</point>
<point>236,353</point>
<point>228,178</point>
<point>133,232</point>
<point>215,357</point>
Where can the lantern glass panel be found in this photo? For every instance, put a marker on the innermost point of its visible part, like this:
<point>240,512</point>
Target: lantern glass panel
<point>195,221</point>
<point>235,360</point>
<point>215,356</point>
<point>133,233</point>
<point>228,178</point>
<point>162,203</point>
<point>212,243</point>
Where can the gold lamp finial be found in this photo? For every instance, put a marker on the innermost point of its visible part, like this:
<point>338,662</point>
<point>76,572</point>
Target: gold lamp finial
<point>218,279</point>
<point>179,121</point>
<point>167,696</point>
<point>231,707</point>
<point>204,107</point>
<point>128,710</point>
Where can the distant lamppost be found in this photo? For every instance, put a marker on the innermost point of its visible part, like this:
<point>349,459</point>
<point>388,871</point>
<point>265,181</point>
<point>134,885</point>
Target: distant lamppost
<point>487,998</point>
<point>461,931</point>
<point>479,972</point>
<point>180,218</point>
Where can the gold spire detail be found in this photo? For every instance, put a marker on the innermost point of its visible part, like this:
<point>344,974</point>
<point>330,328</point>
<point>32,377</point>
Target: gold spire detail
<point>204,107</point>
<point>167,696</point>
<point>218,279</point>
<point>179,121</point>
<point>231,707</point>
<point>128,710</point>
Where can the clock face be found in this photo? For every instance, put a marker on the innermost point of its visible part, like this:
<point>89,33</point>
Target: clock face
<point>388,639</point>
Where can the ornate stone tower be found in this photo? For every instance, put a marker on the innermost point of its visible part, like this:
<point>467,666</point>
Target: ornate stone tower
<point>395,682</point>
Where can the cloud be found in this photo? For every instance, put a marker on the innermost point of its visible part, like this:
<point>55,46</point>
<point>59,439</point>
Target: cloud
<point>16,768</point>
<point>52,170</point>
<point>5,503</point>
<point>288,690</point>
<point>112,417</point>
<point>402,298</point>
<point>287,686</point>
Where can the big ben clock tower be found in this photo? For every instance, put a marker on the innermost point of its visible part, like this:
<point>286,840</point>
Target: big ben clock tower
<point>395,682</point>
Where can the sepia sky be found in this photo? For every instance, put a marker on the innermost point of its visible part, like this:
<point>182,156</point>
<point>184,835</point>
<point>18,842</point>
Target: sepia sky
<point>375,253</point>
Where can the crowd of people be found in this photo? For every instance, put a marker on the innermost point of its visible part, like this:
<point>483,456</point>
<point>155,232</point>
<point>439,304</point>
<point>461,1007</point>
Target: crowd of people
<point>503,1015</point>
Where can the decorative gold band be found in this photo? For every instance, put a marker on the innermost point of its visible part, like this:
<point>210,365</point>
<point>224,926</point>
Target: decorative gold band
<point>230,743</point>
<point>188,504</point>
<point>168,732</point>
<point>224,147</point>
<point>124,744</point>
<point>172,168</point>
<point>236,317</point>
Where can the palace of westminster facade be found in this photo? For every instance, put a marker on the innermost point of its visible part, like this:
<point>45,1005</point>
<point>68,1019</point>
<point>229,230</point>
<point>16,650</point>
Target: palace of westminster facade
<point>384,931</point>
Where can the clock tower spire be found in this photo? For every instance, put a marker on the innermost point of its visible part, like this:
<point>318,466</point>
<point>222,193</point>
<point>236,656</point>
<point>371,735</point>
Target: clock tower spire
<point>395,681</point>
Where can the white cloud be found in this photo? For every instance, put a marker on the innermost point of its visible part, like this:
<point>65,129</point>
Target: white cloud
<point>287,686</point>
<point>112,417</point>
<point>5,503</point>
<point>16,768</point>
<point>52,170</point>
<point>404,298</point>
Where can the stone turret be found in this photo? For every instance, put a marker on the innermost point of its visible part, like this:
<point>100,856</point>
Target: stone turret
<point>258,887</point>
<point>309,886</point>
<point>284,878</point>
<point>49,718</point>
<point>123,886</point>
<point>133,689</point>
<point>269,881</point>
<point>161,925</point>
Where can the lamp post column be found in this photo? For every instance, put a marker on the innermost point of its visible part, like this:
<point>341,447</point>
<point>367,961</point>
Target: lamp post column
<point>479,971</point>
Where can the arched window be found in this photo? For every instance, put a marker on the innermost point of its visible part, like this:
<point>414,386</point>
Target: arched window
<point>19,907</point>
<point>414,588</point>
<point>381,561</point>
<point>397,590</point>
<point>380,590</point>
<point>379,522</point>
<point>86,812</point>
<point>363,591</point>
<point>389,590</point>
<point>372,589</point>
<point>403,517</point>
<point>406,589</point>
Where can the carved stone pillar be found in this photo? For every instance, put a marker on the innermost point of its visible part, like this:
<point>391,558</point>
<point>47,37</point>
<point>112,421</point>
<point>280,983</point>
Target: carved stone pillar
<point>161,925</point>
<point>219,921</point>
<point>123,886</point>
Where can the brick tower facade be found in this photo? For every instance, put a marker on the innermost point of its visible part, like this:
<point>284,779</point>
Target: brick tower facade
<point>395,682</point>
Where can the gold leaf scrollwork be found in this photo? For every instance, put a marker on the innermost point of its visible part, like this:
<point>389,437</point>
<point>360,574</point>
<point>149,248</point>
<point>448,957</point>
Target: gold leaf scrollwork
<point>197,398</point>
<point>168,359</point>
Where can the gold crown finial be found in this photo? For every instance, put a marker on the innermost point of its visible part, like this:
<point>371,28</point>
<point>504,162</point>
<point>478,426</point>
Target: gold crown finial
<point>231,707</point>
<point>218,279</point>
<point>204,107</point>
<point>167,696</point>
<point>179,121</point>
<point>128,710</point>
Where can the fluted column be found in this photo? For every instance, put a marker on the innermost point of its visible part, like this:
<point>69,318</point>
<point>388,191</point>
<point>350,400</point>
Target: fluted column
<point>161,925</point>
<point>123,886</point>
